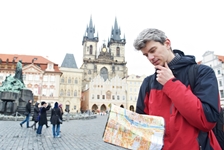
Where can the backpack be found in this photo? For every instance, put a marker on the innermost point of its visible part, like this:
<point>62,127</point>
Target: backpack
<point>219,128</point>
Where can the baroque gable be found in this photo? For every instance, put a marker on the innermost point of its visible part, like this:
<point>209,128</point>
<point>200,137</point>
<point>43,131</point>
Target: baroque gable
<point>32,69</point>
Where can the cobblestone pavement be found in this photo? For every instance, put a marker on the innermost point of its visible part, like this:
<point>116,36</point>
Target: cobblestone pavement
<point>75,135</point>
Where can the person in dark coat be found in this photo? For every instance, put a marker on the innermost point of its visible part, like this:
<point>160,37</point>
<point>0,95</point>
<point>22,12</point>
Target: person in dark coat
<point>27,113</point>
<point>43,116</point>
<point>35,118</point>
<point>55,116</point>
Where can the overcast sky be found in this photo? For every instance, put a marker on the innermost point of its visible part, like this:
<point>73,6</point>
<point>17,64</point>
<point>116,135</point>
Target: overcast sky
<point>53,28</point>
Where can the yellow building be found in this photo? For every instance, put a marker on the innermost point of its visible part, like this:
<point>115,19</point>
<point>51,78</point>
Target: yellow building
<point>70,84</point>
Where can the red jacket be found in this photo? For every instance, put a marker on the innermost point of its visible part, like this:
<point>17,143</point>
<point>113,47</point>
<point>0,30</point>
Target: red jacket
<point>188,118</point>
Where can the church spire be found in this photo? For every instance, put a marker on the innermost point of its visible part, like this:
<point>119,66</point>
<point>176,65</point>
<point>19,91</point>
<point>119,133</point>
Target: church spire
<point>115,34</point>
<point>89,33</point>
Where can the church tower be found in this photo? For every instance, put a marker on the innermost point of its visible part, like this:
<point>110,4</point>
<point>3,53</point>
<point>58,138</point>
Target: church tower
<point>90,42</point>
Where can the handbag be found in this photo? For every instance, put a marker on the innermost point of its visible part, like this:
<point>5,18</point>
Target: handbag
<point>131,130</point>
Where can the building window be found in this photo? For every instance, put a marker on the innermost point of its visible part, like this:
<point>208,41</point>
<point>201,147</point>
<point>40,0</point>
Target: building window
<point>220,82</point>
<point>35,91</point>
<point>44,92</point>
<point>123,97</point>
<point>89,72</point>
<point>219,72</point>
<point>130,98</point>
<point>76,81</point>
<point>75,93</point>
<point>104,73</point>
<point>69,80</point>
<point>62,80</point>
<point>118,51</point>
<point>1,76</point>
<point>103,97</point>
<point>61,93</point>
<point>92,96</point>
<point>37,77</point>
<point>24,77</point>
<point>113,97</point>
<point>52,78</point>
<point>98,96</point>
<point>30,77</point>
<point>117,97</point>
<point>68,93</point>
<point>45,78</point>
<point>222,93</point>
<point>91,50</point>
<point>51,93</point>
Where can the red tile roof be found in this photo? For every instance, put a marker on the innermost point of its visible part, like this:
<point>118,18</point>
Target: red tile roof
<point>27,59</point>
<point>221,58</point>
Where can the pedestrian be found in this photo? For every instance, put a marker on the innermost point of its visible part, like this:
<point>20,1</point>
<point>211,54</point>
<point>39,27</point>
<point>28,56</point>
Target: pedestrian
<point>56,120</point>
<point>35,118</point>
<point>43,116</point>
<point>189,118</point>
<point>27,114</point>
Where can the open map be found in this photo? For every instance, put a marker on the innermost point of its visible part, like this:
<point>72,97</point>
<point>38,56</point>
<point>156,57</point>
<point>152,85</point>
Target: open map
<point>134,131</point>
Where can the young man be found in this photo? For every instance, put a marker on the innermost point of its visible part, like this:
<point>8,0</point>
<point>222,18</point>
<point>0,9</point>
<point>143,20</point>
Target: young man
<point>189,118</point>
<point>27,113</point>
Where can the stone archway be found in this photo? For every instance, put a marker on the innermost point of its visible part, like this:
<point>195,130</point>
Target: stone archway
<point>122,106</point>
<point>103,108</point>
<point>131,108</point>
<point>94,108</point>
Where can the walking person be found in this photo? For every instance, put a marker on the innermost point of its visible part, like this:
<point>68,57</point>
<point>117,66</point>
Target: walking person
<point>27,113</point>
<point>55,120</point>
<point>35,118</point>
<point>190,113</point>
<point>43,116</point>
<point>61,109</point>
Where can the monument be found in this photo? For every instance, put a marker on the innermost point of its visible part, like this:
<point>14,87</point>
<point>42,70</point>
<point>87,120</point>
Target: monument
<point>13,93</point>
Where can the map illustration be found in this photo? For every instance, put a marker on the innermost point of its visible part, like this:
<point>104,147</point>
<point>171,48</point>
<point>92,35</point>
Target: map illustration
<point>133,131</point>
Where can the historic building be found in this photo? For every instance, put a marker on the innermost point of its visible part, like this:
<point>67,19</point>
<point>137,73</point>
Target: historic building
<point>39,75</point>
<point>105,75</point>
<point>70,84</point>
<point>217,63</point>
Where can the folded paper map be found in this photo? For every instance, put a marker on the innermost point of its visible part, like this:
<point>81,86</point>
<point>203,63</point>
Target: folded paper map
<point>130,130</point>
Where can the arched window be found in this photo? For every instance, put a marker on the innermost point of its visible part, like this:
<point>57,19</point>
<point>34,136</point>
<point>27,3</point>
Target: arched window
<point>91,50</point>
<point>75,93</point>
<point>118,51</point>
<point>104,73</point>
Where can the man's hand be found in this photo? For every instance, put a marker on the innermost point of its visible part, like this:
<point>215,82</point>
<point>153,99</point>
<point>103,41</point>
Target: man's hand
<point>163,74</point>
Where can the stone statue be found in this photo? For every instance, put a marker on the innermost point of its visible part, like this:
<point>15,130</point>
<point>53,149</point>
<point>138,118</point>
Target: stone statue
<point>19,72</point>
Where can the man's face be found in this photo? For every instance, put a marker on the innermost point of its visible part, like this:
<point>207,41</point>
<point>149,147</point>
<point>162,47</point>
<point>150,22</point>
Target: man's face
<point>157,53</point>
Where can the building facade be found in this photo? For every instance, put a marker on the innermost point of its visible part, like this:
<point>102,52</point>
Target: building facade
<point>40,75</point>
<point>217,63</point>
<point>105,75</point>
<point>70,84</point>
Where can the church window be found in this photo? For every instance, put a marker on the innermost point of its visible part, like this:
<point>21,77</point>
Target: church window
<point>75,93</point>
<point>69,80</point>
<point>91,50</point>
<point>118,51</point>
<point>104,73</point>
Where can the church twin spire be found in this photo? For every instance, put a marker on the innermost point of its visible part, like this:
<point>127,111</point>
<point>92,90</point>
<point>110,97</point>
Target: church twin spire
<point>115,34</point>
